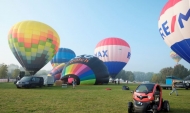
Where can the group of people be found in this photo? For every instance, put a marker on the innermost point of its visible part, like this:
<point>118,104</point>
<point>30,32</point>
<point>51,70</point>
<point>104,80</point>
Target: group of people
<point>116,82</point>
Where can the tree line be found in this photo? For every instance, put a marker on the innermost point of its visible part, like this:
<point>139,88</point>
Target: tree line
<point>12,71</point>
<point>178,71</point>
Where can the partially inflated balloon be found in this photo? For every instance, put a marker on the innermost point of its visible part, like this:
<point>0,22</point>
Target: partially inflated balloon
<point>174,26</point>
<point>86,69</point>
<point>115,53</point>
<point>62,56</point>
<point>33,44</point>
<point>56,71</point>
<point>175,57</point>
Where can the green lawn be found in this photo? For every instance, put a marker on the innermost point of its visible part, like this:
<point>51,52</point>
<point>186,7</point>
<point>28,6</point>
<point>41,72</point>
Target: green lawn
<point>83,99</point>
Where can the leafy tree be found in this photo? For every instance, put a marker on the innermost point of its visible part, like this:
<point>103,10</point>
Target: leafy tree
<point>9,74</point>
<point>168,71</point>
<point>149,76</point>
<point>142,76</point>
<point>156,78</point>
<point>12,67</point>
<point>126,75</point>
<point>120,74</point>
<point>123,75</point>
<point>130,76</point>
<point>180,71</point>
<point>15,73</point>
<point>3,71</point>
<point>139,76</point>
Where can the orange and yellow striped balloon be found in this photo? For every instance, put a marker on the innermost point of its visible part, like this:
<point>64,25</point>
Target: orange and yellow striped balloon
<point>175,56</point>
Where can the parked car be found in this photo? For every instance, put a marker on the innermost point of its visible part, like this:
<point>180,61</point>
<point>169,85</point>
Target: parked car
<point>30,82</point>
<point>178,82</point>
<point>147,98</point>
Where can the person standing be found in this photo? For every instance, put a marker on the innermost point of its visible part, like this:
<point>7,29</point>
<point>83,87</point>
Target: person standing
<point>173,88</point>
<point>115,81</point>
<point>74,83</point>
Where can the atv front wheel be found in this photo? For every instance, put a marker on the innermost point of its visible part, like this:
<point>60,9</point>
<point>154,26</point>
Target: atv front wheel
<point>166,106</point>
<point>130,107</point>
<point>155,109</point>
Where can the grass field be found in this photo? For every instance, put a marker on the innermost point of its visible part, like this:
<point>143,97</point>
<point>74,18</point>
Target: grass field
<point>83,99</point>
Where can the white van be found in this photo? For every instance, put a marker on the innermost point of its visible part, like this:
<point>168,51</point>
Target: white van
<point>48,80</point>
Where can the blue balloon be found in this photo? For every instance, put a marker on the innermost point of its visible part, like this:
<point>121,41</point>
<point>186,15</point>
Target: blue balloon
<point>62,56</point>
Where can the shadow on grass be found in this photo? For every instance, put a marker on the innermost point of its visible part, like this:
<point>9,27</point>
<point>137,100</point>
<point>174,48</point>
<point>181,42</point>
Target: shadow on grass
<point>176,110</point>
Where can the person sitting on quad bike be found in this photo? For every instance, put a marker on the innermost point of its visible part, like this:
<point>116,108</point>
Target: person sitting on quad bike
<point>148,98</point>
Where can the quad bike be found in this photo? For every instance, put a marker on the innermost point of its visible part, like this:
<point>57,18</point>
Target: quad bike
<point>147,98</point>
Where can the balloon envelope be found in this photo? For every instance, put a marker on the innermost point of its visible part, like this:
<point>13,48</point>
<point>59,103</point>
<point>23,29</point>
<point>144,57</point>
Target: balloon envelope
<point>62,56</point>
<point>174,26</point>
<point>70,80</point>
<point>33,44</point>
<point>86,69</point>
<point>56,71</point>
<point>175,57</point>
<point>115,53</point>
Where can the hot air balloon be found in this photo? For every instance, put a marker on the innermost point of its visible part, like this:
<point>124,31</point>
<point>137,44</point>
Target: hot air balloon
<point>87,70</point>
<point>62,56</point>
<point>174,26</point>
<point>175,57</point>
<point>115,53</point>
<point>33,44</point>
<point>56,71</point>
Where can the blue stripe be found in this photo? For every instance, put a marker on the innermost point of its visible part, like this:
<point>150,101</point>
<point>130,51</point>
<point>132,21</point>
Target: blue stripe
<point>114,67</point>
<point>182,48</point>
<point>87,75</point>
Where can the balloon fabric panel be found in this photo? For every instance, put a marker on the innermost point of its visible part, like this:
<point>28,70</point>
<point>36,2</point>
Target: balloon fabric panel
<point>33,44</point>
<point>174,27</point>
<point>85,74</point>
<point>112,41</point>
<point>114,67</point>
<point>114,52</point>
<point>56,71</point>
<point>57,76</point>
<point>62,56</point>
<point>182,49</point>
<point>70,80</point>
